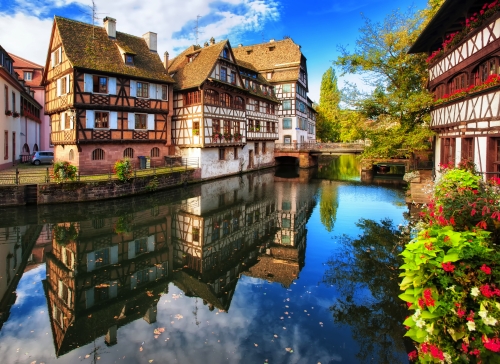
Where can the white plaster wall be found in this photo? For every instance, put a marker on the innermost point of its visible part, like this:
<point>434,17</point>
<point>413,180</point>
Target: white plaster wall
<point>9,124</point>
<point>480,153</point>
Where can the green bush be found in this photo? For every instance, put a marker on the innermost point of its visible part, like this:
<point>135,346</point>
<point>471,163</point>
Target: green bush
<point>123,169</point>
<point>64,171</point>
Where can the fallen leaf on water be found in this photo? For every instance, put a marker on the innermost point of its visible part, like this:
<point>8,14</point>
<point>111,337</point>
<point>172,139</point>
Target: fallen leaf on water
<point>256,344</point>
<point>141,349</point>
<point>275,335</point>
<point>289,350</point>
<point>87,356</point>
<point>151,360</point>
<point>178,316</point>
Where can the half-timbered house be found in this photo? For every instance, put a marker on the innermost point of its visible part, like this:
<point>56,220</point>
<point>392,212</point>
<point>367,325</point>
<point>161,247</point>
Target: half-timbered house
<point>463,43</point>
<point>213,103</point>
<point>107,94</point>
<point>20,115</point>
<point>283,65</point>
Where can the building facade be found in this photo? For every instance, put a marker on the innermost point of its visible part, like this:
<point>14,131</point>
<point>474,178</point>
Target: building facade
<point>463,75</point>
<point>224,113</point>
<point>20,115</point>
<point>107,94</point>
<point>284,66</point>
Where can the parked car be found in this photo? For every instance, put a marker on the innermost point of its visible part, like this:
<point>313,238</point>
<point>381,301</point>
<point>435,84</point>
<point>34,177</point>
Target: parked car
<point>42,157</point>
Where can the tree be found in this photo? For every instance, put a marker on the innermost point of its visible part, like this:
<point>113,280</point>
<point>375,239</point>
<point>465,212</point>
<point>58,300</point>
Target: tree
<point>327,124</point>
<point>398,107</point>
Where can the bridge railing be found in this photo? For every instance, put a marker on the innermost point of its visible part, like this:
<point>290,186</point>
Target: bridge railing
<point>317,146</point>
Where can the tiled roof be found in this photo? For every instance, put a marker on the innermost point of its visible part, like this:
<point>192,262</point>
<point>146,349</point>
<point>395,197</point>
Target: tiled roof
<point>24,64</point>
<point>193,74</point>
<point>88,46</point>
<point>276,55</point>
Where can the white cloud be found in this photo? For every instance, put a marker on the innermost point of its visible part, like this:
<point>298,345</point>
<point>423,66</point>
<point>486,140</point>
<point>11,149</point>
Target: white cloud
<point>29,24</point>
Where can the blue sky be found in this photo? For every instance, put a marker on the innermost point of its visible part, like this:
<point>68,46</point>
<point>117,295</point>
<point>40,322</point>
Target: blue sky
<point>319,26</point>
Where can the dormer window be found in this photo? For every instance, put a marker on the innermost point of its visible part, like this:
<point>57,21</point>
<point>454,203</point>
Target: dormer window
<point>129,59</point>
<point>192,57</point>
<point>28,76</point>
<point>225,53</point>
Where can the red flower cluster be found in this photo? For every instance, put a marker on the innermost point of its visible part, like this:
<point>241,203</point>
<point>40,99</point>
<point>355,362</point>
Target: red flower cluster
<point>460,312</point>
<point>487,291</point>
<point>448,267</point>
<point>470,317</point>
<point>486,269</point>
<point>413,355</point>
<point>433,350</point>
<point>491,344</point>
<point>428,297</point>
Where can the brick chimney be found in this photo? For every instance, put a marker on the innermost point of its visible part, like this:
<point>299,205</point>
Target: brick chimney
<point>212,41</point>
<point>110,26</point>
<point>165,60</point>
<point>151,41</point>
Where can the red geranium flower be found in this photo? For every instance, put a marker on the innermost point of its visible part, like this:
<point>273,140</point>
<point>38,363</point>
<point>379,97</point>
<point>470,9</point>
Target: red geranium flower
<point>486,269</point>
<point>448,267</point>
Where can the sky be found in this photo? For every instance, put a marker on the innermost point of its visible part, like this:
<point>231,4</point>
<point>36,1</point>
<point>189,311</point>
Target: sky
<point>318,26</point>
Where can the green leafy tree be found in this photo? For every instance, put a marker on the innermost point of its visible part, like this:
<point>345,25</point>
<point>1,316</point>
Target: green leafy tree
<point>327,124</point>
<point>398,107</point>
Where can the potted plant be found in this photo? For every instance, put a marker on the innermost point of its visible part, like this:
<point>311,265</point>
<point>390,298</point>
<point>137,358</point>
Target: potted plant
<point>228,136</point>
<point>8,112</point>
<point>196,131</point>
<point>257,128</point>
<point>16,114</point>
<point>251,128</point>
<point>237,136</point>
<point>217,136</point>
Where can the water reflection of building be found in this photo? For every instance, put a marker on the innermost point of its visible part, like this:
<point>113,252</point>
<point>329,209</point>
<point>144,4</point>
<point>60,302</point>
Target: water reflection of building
<point>219,233</point>
<point>283,257</point>
<point>16,244</point>
<point>104,273</point>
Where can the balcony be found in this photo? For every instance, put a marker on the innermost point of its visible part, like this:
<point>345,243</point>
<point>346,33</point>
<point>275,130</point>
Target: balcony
<point>261,134</point>
<point>63,137</point>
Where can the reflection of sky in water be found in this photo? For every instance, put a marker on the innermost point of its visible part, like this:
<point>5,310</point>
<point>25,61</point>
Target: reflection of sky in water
<point>259,327</point>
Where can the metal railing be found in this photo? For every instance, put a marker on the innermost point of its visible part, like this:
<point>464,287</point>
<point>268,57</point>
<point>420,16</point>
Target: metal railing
<point>46,175</point>
<point>318,146</point>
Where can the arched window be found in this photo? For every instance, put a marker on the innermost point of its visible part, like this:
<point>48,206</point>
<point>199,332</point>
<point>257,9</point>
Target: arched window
<point>35,148</point>
<point>458,83</point>
<point>226,100</point>
<point>155,152</point>
<point>439,91</point>
<point>71,155</point>
<point>239,103</point>
<point>98,154</point>
<point>26,148</point>
<point>128,153</point>
<point>485,69</point>
<point>211,97</point>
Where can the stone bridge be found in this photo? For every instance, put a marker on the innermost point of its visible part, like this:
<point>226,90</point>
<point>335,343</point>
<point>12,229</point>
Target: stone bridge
<point>308,153</point>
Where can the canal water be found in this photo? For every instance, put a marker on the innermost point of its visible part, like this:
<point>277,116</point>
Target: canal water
<point>280,266</point>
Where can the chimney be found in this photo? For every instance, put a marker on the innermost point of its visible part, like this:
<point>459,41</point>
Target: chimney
<point>110,26</point>
<point>151,41</point>
<point>240,45</point>
<point>212,41</point>
<point>165,60</point>
<point>271,41</point>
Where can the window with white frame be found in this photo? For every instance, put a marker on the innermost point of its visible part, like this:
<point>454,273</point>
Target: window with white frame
<point>28,76</point>
<point>287,105</point>
<point>287,88</point>
<point>142,89</point>
<point>287,123</point>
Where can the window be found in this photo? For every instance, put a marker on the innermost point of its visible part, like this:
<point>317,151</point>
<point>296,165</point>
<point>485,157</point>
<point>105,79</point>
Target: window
<point>301,107</point>
<point>98,223</point>
<point>164,92</point>
<point>286,223</point>
<point>128,153</point>
<point>63,83</point>
<point>448,151</point>
<point>100,85</point>
<point>143,276</point>
<point>56,57</point>
<point>196,234</point>
<point>236,127</point>
<point>439,91</point>
<point>263,147</point>
<point>232,78</point>
<point>67,121</point>
<point>101,257</point>
<point>71,155</point>
<point>257,125</point>
<point>192,97</point>
<point>142,89</point>
<point>225,53</point>
<point>155,152</point>
<point>129,59</point>
<point>141,121</point>
<point>13,101</point>
<point>484,70</point>
<point>256,148</point>
<point>287,104</point>
<point>6,98</point>
<point>223,74</point>
<point>221,154</point>
<point>196,128</point>
<point>269,75</point>
<point>211,97</point>
<point>235,153</point>
<point>458,83</point>
<point>141,246</point>
<point>494,159</point>
<point>226,100</point>
<point>28,76</point>
<point>287,88</point>
<point>287,123</point>
<point>239,103</point>
<point>215,126</point>
<point>252,105</point>
<point>246,83</point>
<point>101,119</point>
<point>98,154</point>
<point>468,149</point>
<point>227,126</point>
<point>250,125</point>
<point>286,205</point>
<point>273,127</point>
<point>6,145</point>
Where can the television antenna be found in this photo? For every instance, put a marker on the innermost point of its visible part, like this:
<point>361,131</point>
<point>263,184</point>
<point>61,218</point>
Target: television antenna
<point>196,29</point>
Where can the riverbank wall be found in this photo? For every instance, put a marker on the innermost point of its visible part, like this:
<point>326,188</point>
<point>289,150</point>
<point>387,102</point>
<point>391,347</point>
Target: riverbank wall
<point>71,192</point>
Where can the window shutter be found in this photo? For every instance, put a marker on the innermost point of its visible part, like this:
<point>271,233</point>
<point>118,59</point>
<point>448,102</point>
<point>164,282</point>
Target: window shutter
<point>113,289</point>
<point>61,121</point>
<point>112,85</point>
<point>58,87</point>
<point>152,91</point>
<point>131,249</point>
<point>67,84</point>
<point>59,288</point>
<point>90,119</point>
<point>53,59</point>
<point>89,297</point>
<point>131,121</point>
<point>113,120</point>
<point>90,261</point>
<point>151,243</point>
<point>71,122</point>
<point>60,54</point>
<point>133,92</point>
<point>151,121</point>
<point>113,254</point>
<point>133,281</point>
<point>88,85</point>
